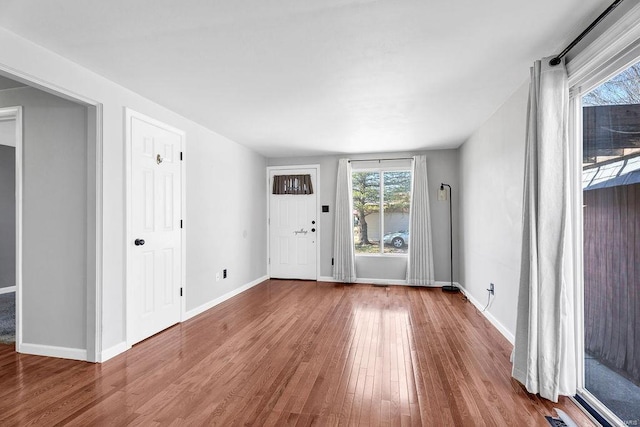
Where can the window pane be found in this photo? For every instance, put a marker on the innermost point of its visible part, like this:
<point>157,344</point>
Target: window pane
<point>611,221</point>
<point>366,212</point>
<point>397,195</point>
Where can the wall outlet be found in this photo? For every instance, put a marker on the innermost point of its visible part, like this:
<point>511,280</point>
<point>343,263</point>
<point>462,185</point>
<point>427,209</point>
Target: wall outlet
<point>224,273</point>
<point>442,195</point>
<point>492,289</point>
<point>217,276</point>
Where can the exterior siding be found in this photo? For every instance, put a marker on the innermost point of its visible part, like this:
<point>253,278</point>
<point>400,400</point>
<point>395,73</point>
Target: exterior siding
<point>612,277</point>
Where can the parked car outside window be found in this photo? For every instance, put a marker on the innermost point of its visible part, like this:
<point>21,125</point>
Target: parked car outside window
<point>396,239</point>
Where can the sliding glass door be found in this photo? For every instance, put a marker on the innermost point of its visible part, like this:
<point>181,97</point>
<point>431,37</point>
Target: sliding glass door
<point>611,243</point>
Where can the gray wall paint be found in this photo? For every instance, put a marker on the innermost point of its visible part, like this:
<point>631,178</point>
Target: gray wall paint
<point>7,212</point>
<point>54,218</point>
<point>8,132</point>
<point>226,218</point>
<point>442,166</point>
<point>492,174</point>
<point>377,268</point>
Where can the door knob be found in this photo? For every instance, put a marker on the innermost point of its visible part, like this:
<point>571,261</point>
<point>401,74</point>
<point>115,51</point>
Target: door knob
<point>139,242</point>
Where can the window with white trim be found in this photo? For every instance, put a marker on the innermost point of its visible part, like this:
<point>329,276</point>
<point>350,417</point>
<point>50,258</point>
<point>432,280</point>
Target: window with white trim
<point>381,201</point>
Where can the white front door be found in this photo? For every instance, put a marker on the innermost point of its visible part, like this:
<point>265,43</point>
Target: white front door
<point>293,230</point>
<point>155,239</point>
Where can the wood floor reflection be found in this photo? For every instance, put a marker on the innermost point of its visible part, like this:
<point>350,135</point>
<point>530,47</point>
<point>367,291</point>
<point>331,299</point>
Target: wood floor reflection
<point>292,353</point>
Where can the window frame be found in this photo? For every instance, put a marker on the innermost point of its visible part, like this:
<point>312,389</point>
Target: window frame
<point>381,170</point>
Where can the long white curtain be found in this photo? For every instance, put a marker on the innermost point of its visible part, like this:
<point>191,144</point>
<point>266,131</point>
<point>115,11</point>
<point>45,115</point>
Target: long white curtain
<point>420,260</point>
<point>544,355</point>
<point>344,258</point>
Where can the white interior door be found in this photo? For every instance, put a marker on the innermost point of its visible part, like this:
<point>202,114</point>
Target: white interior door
<point>293,230</point>
<point>155,236</point>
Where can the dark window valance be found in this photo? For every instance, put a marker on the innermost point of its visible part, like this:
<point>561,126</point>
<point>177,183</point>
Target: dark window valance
<point>292,184</point>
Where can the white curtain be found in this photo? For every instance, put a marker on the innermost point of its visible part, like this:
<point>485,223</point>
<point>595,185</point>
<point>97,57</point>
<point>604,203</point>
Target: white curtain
<point>420,260</point>
<point>544,354</point>
<point>344,258</point>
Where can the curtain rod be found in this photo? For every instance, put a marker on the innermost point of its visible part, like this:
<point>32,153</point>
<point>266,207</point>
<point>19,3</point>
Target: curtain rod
<point>557,59</point>
<point>381,160</point>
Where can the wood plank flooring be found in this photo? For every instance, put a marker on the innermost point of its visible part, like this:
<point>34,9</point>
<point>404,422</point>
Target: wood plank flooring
<point>292,353</point>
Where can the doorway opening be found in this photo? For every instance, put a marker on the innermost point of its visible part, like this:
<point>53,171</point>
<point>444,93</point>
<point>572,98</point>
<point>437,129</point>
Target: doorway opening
<point>9,143</point>
<point>58,217</point>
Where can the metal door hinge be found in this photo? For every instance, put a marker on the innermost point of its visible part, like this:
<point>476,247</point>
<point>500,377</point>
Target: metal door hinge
<point>180,291</point>
<point>180,223</point>
<point>181,155</point>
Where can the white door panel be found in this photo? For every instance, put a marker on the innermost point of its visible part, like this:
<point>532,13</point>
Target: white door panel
<point>156,264</point>
<point>293,231</point>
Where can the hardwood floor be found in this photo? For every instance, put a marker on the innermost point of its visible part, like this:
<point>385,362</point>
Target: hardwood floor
<point>292,353</point>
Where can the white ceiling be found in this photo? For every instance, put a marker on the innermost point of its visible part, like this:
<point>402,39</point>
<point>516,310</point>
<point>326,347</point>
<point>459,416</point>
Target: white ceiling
<point>303,77</point>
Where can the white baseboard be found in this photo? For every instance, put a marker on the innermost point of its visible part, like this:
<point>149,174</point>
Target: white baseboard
<point>382,282</point>
<point>499,326</point>
<point>113,351</point>
<point>53,351</point>
<point>204,307</point>
<point>439,284</point>
<point>7,290</point>
<point>365,281</point>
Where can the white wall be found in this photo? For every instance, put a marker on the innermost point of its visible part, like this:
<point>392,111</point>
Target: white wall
<point>491,176</point>
<point>213,213</point>
<point>442,166</point>
<point>226,211</point>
